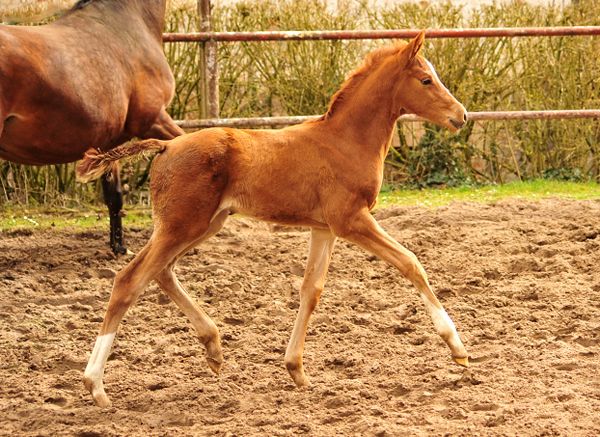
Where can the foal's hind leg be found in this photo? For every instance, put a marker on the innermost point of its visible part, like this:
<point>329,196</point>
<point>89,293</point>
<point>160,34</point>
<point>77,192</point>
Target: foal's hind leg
<point>205,327</point>
<point>319,254</point>
<point>153,262</point>
<point>363,230</point>
<point>128,285</point>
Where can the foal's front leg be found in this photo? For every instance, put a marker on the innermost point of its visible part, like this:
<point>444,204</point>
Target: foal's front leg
<point>319,254</point>
<point>363,229</point>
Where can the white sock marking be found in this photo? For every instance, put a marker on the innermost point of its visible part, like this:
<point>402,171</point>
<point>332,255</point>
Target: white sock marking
<point>441,320</point>
<point>95,367</point>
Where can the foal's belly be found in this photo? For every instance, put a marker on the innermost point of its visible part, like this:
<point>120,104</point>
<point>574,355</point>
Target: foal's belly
<point>275,212</point>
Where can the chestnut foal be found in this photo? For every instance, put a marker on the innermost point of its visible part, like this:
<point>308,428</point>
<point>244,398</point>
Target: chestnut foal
<point>325,174</point>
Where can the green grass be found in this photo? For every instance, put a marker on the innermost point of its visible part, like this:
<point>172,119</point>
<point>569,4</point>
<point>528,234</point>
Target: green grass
<point>532,190</point>
<point>15,219</point>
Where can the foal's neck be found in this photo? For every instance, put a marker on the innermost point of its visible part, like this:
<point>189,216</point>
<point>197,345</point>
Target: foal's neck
<point>369,114</point>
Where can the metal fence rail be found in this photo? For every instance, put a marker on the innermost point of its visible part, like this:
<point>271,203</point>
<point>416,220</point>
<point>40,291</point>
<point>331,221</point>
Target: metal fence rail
<point>210,84</point>
<point>379,34</point>
<point>473,116</point>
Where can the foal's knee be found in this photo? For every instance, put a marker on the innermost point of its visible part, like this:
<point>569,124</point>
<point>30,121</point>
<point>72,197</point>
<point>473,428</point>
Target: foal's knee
<point>310,294</point>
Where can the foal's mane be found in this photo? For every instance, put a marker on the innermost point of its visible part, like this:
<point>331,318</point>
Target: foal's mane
<point>357,76</point>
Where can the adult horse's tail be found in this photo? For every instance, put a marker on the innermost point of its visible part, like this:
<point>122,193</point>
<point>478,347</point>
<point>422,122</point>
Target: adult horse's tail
<point>96,163</point>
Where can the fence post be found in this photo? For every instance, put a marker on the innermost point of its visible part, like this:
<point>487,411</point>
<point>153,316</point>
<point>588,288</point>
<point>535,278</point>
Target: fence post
<point>209,66</point>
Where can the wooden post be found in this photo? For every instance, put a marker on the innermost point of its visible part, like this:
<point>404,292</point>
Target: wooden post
<point>209,65</point>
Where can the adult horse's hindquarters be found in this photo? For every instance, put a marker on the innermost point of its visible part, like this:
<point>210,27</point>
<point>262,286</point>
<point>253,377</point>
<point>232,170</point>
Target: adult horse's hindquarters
<point>96,77</point>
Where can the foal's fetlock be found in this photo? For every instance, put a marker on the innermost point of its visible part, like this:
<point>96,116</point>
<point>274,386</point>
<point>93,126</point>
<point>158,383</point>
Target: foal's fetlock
<point>297,373</point>
<point>97,392</point>
<point>459,352</point>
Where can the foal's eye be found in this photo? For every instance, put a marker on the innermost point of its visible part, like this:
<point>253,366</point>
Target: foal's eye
<point>426,81</point>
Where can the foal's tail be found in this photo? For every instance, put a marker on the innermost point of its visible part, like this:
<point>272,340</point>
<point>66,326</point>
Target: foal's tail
<point>96,163</point>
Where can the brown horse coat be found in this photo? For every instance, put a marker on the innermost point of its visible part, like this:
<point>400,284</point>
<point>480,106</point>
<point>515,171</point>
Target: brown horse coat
<point>95,77</point>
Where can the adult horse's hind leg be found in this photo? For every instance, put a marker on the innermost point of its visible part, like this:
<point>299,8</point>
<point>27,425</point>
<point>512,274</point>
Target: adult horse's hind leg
<point>205,327</point>
<point>319,254</point>
<point>164,128</point>
<point>113,197</point>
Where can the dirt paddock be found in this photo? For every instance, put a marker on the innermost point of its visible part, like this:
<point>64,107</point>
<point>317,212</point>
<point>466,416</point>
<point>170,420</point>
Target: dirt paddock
<point>519,278</point>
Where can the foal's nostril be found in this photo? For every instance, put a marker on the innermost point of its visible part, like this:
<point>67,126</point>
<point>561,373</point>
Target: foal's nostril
<point>465,117</point>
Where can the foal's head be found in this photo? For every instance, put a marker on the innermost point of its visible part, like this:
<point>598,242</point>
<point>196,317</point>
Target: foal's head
<point>421,92</point>
<point>398,72</point>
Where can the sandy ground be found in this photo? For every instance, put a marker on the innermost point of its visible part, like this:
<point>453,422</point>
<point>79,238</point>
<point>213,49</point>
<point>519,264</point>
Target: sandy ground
<point>519,278</point>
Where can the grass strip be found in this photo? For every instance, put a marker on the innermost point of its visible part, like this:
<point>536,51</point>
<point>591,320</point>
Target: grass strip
<point>16,219</point>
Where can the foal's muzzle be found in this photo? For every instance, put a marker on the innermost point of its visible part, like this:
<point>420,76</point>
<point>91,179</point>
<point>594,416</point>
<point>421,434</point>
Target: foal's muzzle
<point>458,124</point>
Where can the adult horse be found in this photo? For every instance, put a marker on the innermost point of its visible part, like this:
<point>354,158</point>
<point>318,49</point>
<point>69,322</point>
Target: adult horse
<point>325,174</point>
<point>95,76</point>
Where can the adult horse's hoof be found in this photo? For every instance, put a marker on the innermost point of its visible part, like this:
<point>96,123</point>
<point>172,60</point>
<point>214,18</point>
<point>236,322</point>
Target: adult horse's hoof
<point>120,250</point>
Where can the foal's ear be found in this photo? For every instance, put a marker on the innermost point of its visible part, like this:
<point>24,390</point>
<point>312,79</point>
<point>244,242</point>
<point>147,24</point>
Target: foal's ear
<point>414,47</point>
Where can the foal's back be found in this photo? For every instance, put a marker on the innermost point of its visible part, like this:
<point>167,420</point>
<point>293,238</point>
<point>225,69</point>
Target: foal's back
<point>280,176</point>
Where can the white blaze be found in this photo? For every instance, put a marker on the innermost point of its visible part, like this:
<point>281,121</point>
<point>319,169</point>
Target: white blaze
<point>436,76</point>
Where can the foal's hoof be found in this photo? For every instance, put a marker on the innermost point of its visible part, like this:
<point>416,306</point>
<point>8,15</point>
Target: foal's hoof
<point>462,361</point>
<point>214,365</point>
<point>301,381</point>
<point>101,400</point>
